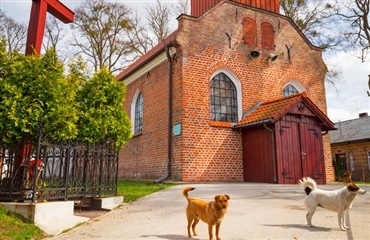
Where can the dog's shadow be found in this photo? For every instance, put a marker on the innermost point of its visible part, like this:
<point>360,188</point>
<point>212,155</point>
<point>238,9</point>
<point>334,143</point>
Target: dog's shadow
<point>311,229</point>
<point>169,237</point>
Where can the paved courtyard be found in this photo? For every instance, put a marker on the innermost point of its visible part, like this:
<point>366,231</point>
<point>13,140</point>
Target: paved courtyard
<point>256,211</point>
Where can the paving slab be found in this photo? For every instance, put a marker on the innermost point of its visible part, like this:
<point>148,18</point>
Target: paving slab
<point>256,211</point>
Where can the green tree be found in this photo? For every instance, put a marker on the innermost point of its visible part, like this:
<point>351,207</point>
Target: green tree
<point>33,89</point>
<point>101,115</point>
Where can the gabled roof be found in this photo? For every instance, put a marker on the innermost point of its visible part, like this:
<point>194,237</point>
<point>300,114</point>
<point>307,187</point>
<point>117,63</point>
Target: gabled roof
<point>272,111</point>
<point>148,56</point>
<point>351,130</point>
<point>160,47</point>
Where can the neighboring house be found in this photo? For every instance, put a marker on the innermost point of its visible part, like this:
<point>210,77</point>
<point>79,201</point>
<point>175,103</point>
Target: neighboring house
<point>194,100</point>
<point>350,146</point>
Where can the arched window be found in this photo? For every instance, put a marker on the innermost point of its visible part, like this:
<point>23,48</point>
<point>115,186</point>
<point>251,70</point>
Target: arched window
<point>224,104</point>
<point>138,122</point>
<point>289,90</point>
<point>292,87</point>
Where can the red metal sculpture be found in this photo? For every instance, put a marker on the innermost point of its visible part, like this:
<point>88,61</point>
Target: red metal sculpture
<point>36,25</point>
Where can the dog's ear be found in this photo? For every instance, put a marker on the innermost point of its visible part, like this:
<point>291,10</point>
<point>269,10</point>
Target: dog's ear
<point>217,197</point>
<point>227,196</point>
<point>352,187</point>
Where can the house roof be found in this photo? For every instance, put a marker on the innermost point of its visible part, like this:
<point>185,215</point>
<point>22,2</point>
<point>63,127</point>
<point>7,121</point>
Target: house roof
<point>272,111</point>
<point>351,130</point>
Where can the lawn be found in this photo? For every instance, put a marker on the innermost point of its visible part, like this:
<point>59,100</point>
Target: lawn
<point>13,227</point>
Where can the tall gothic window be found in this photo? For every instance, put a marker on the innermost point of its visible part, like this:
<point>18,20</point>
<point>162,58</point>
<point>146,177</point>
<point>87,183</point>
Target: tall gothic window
<point>224,104</point>
<point>289,90</point>
<point>138,114</point>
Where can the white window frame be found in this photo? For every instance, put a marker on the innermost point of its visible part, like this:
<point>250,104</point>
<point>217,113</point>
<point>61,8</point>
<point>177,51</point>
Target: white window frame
<point>133,107</point>
<point>351,161</point>
<point>295,83</point>
<point>237,84</point>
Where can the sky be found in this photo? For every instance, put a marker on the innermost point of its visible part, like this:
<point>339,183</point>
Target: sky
<point>345,101</point>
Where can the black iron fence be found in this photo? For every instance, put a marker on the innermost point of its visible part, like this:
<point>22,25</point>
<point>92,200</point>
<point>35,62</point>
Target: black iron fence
<point>48,170</point>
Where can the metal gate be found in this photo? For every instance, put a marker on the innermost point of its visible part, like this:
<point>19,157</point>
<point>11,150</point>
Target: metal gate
<point>48,170</point>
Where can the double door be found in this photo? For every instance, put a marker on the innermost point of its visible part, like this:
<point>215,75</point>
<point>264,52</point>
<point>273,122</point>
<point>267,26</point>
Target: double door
<point>300,152</point>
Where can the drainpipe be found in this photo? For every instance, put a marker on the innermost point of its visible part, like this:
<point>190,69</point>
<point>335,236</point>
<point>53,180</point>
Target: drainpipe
<point>169,143</point>
<point>273,150</point>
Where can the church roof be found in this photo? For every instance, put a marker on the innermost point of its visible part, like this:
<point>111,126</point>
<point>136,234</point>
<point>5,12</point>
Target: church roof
<point>160,47</point>
<point>272,111</point>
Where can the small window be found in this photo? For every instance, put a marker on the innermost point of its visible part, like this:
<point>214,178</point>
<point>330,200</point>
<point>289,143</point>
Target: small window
<point>224,105</point>
<point>368,159</point>
<point>138,114</point>
<point>289,90</point>
<point>351,161</point>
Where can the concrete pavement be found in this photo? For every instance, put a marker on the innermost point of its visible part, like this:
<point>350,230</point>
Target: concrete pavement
<point>256,211</point>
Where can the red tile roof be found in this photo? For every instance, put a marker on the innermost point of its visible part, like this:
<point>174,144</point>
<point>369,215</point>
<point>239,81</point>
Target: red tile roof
<point>272,111</point>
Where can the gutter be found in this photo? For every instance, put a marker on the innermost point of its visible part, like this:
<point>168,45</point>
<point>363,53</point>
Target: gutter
<point>169,137</point>
<point>270,120</point>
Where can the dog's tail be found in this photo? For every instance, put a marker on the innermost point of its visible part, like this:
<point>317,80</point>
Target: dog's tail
<point>308,184</point>
<point>185,192</point>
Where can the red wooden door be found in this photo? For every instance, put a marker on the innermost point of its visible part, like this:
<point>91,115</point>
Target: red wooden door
<point>290,155</point>
<point>312,152</point>
<point>300,152</point>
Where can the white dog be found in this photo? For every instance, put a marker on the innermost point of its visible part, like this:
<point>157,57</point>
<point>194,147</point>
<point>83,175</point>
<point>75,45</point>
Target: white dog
<point>339,201</point>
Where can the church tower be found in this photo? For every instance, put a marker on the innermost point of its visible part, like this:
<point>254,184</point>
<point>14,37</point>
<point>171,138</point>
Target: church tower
<point>198,7</point>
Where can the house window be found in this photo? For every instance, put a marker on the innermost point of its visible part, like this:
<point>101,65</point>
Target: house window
<point>224,105</point>
<point>138,114</point>
<point>289,90</point>
<point>368,159</point>
<point>351,161</point>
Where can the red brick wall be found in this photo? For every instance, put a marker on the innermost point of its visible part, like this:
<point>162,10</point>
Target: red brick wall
<point>206,50</point>
<point>145,155</point>
<point>204,151</point>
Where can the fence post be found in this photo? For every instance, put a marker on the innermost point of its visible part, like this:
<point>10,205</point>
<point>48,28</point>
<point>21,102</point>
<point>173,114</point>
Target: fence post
<point>86,162</point>
<point>66,174</point>
<point>101,147</point>
<point>36,165</point>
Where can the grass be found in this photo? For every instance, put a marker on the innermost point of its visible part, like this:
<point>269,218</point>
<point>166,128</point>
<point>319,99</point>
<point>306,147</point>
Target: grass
<point>133,190</point>
<point>13,227</point>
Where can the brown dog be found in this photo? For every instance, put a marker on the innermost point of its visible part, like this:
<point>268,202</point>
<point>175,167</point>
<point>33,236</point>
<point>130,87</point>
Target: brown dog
<point>347,177</point>
<point>211,213</point>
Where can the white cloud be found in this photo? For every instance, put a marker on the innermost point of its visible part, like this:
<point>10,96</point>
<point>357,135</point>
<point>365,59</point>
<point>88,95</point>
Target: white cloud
<point>351,98</point>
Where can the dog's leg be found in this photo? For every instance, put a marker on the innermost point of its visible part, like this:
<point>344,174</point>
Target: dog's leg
<point>190,220</point>
<point>217,231</point>
<point>189,224</point>
<point>342,220</point>
<point>210,226</point>
<point>309,216</point>
<point>196,220</point>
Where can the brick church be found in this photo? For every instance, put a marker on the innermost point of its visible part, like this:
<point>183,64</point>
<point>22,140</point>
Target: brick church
<point>235,94</point>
